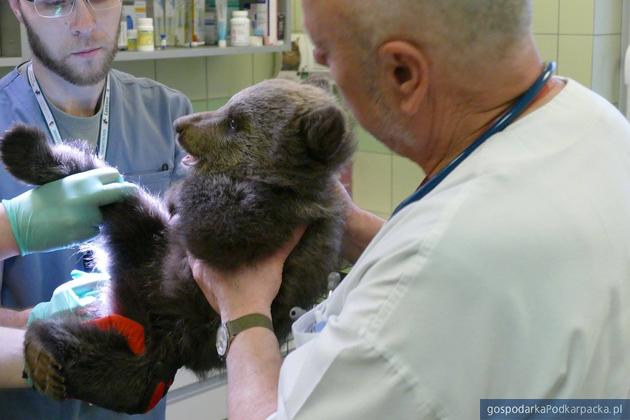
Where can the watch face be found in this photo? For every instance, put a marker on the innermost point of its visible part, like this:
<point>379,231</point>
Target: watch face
<point>222,340</point>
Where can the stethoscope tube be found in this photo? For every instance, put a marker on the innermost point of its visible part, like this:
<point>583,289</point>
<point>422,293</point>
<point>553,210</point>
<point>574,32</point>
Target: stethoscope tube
<point>500,124</point>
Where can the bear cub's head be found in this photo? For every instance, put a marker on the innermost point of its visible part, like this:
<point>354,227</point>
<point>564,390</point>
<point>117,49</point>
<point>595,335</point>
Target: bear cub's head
<point>275,130</point>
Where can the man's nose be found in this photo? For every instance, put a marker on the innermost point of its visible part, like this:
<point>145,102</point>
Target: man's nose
<point>83,19</point>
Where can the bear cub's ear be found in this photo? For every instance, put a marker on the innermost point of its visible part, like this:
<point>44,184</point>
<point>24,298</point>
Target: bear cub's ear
<point>322,82</point>
<point>324,131</point>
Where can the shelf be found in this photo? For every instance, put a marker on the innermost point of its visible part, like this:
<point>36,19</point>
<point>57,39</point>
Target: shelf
<point>196,52</point>
<point>11,61</point>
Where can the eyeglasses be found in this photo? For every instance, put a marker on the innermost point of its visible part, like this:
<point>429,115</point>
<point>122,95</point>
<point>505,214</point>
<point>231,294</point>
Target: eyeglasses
<point>61,8</point>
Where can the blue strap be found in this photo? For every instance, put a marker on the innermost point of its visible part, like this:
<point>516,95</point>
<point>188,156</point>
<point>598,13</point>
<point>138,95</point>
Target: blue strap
<point>500,124</point>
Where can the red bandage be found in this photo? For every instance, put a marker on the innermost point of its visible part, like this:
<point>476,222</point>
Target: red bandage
<point>128,328</point>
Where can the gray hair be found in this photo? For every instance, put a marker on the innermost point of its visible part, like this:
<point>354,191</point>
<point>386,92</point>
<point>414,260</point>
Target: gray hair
<point>458,30</point>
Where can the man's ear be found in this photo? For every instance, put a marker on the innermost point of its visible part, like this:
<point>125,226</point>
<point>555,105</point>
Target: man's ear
<point>323,131</point>
<point>404,73</point>
<point>17,11</point>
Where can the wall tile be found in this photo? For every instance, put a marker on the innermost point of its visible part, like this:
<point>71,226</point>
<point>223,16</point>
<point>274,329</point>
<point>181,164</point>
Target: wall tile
<point>608,15</point>
<point>367,142</point>
<point>200,106</point>
<point>372,181</point>
<point>575,57</point>
<point>577,16</point>
<point>548,46</point>
<point>187,75</point>
<point>5,70</point>
<point>265,66</point>
<point>214,104</point>
<point>228,74</point>
<point>546,15</point>
<point>607,66</point>
<point>406,177</point>
<point>298,18</point>
<point>141,68</point>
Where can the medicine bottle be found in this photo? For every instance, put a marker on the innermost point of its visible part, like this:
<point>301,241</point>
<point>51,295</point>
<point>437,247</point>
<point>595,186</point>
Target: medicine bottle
<point>240,28</point>
<point>145,35</point>
<point>132,40</point>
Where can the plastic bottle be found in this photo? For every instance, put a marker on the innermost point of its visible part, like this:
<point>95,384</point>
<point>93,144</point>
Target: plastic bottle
<point>240,28</point>
<point>145,34</point>
<point>132,40</point>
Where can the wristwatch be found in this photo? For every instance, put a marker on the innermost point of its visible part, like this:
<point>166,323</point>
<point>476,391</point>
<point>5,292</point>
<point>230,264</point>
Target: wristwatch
<point>228,330</point>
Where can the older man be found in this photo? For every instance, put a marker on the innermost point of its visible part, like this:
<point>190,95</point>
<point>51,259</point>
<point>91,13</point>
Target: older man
<point>506,275</point>
<point>70,90</point>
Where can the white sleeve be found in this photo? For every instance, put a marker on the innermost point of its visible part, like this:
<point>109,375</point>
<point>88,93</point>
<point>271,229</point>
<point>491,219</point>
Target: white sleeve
<point>341,375</point>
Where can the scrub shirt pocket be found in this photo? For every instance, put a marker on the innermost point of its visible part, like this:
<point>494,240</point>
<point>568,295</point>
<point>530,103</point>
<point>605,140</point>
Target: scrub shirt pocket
<point>154,182</point>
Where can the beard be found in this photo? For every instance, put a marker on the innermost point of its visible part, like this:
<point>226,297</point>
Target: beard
<point>65,71</point>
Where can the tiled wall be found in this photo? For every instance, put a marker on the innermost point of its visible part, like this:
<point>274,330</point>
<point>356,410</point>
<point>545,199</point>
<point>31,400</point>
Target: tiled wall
<point>208,82</point>
<point>583,36</point>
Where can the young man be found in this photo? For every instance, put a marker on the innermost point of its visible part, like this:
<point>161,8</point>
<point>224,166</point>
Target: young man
<point>70,91</point>
<point>505,275</point>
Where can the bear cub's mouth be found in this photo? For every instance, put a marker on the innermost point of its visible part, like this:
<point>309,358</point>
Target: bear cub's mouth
<point>189,160</point>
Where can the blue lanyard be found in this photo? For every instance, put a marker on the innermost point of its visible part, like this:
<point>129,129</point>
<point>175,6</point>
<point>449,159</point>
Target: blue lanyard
<point>500,124</point>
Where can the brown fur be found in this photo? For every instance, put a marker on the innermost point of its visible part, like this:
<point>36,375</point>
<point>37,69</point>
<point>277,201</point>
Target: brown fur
<point>264,164</point>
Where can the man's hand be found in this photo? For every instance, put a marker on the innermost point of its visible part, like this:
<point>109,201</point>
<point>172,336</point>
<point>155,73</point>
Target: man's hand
<point>249,289</point>
<point>64,212</point>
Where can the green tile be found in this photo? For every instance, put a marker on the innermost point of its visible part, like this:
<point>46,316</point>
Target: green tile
<point>187,75</point>
<point>5,70</point>
<point>406,177</point>
<point>298,18</point>
<point>577,17</point>
<point>200,106</point>
<point>214,104</point>
<point>575,57</point>
<point>545,19</point>
<point>227,75</point>
<point>372,181</point>
<point>140,68</point>
<point>265,66</point>
<point>548,46</point>
<point>367,143</point>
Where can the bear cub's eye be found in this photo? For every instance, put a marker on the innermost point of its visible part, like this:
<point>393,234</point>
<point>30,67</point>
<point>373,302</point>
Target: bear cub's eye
<point>232,124</point>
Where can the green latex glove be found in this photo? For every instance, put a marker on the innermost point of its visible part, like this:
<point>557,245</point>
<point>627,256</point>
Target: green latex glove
<point>83,289</point>
<point>65,212</point>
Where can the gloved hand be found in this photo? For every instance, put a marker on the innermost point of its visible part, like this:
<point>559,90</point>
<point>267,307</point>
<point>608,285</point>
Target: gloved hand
<point>64,212</point>
<point>83,289</point>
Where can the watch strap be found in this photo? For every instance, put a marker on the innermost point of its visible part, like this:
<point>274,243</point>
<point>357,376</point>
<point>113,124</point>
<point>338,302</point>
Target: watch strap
<point>248,321</point>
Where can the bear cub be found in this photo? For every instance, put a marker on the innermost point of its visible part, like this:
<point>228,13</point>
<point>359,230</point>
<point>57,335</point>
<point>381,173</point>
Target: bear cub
<point>260,166</point>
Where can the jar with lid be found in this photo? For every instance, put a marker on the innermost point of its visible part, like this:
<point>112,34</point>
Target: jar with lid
<point>240,31</point>
<point>145,34</point>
